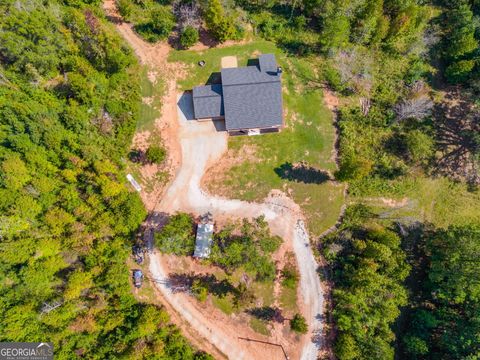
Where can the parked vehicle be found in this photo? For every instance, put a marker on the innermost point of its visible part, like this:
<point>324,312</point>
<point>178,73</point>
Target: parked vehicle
<point>137,278</point>
<point>137,254</point>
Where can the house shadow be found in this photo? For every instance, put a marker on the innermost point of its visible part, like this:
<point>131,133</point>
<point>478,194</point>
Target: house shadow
<point>185,105</point>
<point>253,62</point>
<point>214,78</point>
<point>219,125</point>
<point>302,173</point>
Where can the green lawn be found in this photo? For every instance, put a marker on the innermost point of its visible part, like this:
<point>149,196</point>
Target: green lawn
<point>308,136</point>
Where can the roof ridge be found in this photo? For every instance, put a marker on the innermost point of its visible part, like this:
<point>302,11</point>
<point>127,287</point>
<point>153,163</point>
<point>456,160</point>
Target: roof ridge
<point>252,83</point>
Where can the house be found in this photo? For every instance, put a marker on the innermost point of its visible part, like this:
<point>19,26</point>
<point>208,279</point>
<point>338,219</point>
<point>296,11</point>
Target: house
<point>204,238</point>
<point>248,98</point>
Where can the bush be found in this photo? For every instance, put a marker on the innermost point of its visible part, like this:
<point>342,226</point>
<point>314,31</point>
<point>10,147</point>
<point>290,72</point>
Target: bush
<point>125,8</point>
<point>156,154</point>
<point>298,324</point>
<point>188,37</point>
<point>200,290</point>
<point>290,276</point>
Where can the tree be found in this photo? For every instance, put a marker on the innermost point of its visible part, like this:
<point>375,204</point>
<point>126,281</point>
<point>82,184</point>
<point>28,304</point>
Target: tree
<point>221,26</point>
<point>368,268</point>
<point>67,219</point>
<point>299,324</point>
<point>177,236</point>
<point>353,169</point>
<point>420,146</point>
<point>189,37</point>
<point>459,71</point>
<point>162,22</point>
<point>416,108</point>
<point>155,154</point>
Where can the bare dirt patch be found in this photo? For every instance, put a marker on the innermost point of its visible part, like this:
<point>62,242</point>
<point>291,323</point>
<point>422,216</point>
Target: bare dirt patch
<point>216,170</point>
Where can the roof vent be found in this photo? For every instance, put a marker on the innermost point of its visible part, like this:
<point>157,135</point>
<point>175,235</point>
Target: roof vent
<point>279,70</point>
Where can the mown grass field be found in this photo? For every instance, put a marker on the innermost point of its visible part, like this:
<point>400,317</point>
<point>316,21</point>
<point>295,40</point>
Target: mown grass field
<point>308,137</point>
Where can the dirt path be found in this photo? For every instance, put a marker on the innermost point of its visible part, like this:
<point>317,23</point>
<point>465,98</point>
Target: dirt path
<point>201,145</point>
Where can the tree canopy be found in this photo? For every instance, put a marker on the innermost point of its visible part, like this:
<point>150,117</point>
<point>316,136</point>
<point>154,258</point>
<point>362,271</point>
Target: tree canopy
<point>69,102</point>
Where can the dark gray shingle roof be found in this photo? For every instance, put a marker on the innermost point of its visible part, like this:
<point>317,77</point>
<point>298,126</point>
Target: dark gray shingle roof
<point>267,63</point>
<point>207,101</point>
<point>250,97</point>
<point>253,105</point>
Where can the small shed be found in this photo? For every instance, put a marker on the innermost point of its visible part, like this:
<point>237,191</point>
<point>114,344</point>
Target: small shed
<point>204,238</point>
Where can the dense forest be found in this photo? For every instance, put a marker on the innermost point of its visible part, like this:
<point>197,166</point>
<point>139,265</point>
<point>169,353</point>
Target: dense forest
<point>69,101</point>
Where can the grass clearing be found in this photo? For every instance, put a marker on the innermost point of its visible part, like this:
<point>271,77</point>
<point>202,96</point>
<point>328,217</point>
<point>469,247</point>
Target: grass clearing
<point>259,326</point>
<point>225,303</point>
<point>439,201</point>
<point>152,94</point>
<point>308,136</point>
<point>264,291</point>
<point>288,299</point>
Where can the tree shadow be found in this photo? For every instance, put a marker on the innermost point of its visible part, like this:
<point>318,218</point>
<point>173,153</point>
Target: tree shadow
<point>183,282</point>
<point>206,39</point>
<point>297,47</point>
<point>302,173</point>
<point>457,126</point>
<point>267,313</point>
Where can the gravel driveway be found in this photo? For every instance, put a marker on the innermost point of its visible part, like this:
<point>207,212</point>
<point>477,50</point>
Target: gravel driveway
<point>203,143</point>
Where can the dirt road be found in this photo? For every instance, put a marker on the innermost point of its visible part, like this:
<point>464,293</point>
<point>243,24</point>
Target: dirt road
<point>201,145</point>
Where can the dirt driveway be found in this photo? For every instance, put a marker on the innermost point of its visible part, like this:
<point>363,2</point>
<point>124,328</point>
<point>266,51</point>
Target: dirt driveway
<point>202,144</point>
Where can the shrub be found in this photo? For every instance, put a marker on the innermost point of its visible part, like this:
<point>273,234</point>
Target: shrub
<point>290,276</point>
<point>125,8</point>
<point>298,324</point>
<point>188,37</point>
<point>200,290</point>
<point>155,154</point>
